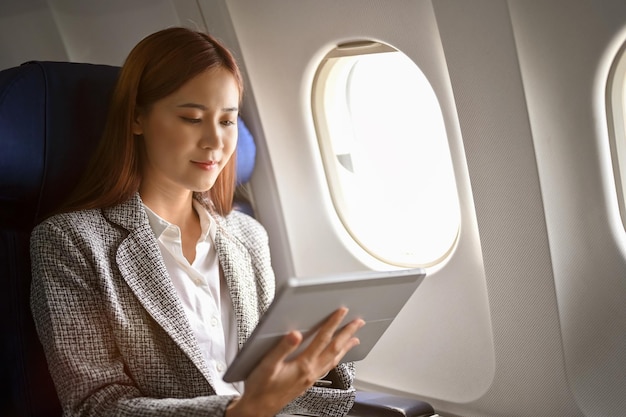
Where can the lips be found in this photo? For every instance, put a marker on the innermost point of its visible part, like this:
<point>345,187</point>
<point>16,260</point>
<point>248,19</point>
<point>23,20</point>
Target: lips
<point>206,165</point>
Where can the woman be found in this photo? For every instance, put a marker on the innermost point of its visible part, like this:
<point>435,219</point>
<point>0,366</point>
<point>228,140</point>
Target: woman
<point>148,283</point>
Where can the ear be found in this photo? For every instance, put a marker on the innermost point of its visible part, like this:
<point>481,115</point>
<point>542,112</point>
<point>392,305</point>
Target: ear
<point>137,126</point>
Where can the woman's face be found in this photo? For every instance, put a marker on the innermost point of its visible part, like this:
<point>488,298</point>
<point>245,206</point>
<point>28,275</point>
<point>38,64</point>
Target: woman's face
<point>190,135</point>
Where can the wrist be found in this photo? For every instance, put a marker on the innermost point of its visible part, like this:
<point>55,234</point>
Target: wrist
<point>231,408</point>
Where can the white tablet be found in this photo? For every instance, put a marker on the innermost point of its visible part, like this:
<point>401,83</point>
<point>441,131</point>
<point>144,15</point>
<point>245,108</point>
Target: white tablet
<point>303,304</point>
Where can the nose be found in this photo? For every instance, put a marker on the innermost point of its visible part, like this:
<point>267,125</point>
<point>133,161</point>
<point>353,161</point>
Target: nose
<point>212,136</point>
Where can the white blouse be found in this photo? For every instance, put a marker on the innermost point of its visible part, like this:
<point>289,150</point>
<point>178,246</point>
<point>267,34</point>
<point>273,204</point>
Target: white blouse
<point>204,295</point>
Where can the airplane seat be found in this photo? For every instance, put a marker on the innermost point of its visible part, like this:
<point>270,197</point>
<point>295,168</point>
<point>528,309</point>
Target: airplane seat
<point>51,116</point>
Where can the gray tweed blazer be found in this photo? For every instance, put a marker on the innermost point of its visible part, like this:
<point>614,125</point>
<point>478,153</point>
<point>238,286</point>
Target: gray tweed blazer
<point>114,332</point>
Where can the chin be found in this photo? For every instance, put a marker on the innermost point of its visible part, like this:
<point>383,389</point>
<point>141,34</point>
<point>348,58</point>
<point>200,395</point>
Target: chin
<point>202,188</point>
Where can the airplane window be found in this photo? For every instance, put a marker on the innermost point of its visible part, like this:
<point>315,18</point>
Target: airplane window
<point>385,153</point>
<point>617,124</point>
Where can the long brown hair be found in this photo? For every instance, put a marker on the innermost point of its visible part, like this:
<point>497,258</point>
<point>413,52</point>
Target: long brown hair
<point>158,66</point>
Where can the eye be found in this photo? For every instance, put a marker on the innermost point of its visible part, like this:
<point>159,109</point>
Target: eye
<point>191,120</point>
<point>228,123</point>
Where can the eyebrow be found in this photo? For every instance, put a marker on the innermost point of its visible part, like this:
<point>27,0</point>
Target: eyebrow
<point>203,107</point>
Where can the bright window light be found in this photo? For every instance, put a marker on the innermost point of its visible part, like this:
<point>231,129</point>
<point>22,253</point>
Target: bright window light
<point>386,154</point>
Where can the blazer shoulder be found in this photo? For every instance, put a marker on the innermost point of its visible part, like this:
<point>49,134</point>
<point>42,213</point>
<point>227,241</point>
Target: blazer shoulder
<point>70,221</point>
<point>86,226</point>
<point>243,227</point>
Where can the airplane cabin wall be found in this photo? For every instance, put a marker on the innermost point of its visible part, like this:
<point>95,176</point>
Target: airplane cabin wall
<point>571,60</point>
<point>481,55</point>
<point>280,83</point>
<point>541,365</point>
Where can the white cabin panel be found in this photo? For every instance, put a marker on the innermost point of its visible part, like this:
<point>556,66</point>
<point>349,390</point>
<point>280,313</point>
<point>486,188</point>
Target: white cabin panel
<point>565,69</point>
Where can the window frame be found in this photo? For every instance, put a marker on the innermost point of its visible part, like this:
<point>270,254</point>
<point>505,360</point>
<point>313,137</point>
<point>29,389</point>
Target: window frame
<point>323,73</point>
<point>616,118</point>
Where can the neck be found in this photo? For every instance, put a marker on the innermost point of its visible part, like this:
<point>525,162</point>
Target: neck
<point>176,208</point>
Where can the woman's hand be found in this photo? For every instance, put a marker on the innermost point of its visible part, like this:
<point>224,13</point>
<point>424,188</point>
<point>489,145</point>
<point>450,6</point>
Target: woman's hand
<point>276,381</point>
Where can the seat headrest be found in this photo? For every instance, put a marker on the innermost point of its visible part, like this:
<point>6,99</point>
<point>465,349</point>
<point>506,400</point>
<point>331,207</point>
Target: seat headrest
<point>51,118</point>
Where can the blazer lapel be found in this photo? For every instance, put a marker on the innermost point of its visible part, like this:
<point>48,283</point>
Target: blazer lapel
<point>238,270</point>
<point>141,266</point>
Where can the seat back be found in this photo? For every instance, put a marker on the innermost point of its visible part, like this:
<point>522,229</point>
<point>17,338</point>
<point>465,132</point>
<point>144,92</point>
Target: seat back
<point>51,118</point>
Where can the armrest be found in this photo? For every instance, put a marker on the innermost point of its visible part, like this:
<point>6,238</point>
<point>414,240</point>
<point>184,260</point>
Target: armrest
<point>375,404</point>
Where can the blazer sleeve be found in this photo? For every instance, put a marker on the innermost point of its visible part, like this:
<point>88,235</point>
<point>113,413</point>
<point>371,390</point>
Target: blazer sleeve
<point>334,401</point>
<point>71,321</point>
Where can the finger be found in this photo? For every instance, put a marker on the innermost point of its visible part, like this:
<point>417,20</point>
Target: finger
<point>344,335</point>
<point>288,344</point>
<point>345,340</point>
<point>330,358</point>
<point>326,332</point>
<point>348,331</point>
